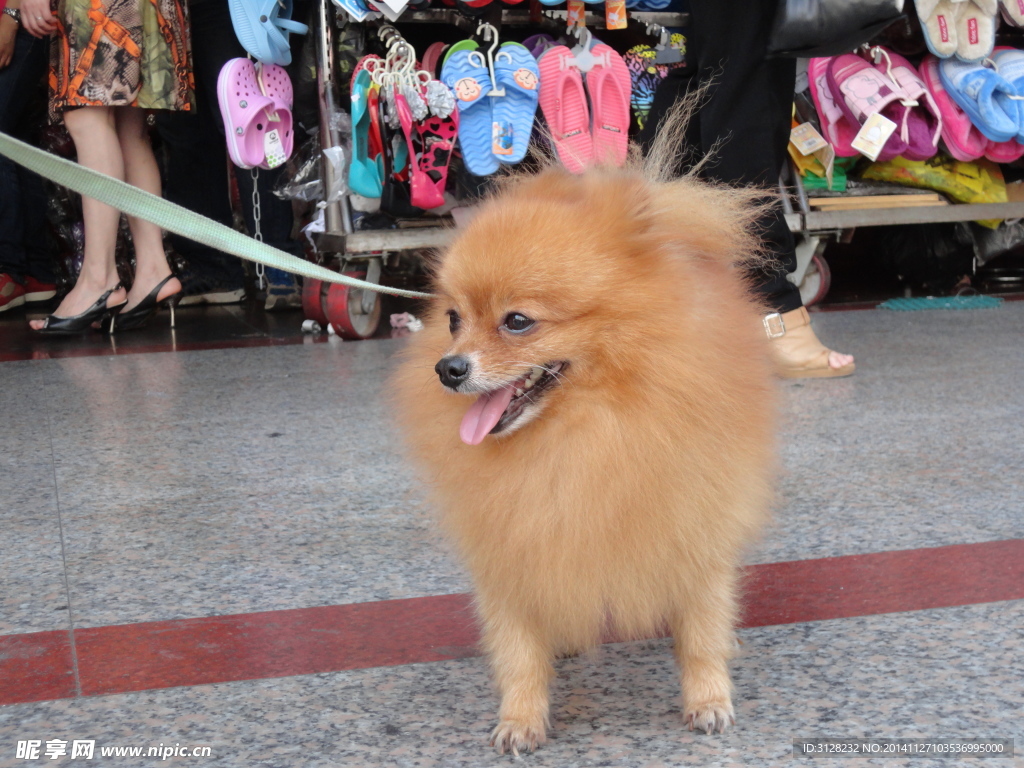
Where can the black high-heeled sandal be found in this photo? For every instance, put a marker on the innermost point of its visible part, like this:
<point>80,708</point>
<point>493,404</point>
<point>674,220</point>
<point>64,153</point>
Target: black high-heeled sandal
<point>140,314</point>
<point>97,313</point>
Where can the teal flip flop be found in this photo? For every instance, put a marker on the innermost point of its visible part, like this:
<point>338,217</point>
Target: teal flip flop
<point>364,176</point>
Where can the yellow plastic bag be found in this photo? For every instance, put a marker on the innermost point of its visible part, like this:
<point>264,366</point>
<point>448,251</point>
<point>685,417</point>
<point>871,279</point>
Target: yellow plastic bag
<point>978,182</point>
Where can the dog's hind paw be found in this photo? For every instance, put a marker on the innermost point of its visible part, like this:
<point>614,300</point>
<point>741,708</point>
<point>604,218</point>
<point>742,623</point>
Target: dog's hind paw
<point>712,717</point>
<point>514,735</point>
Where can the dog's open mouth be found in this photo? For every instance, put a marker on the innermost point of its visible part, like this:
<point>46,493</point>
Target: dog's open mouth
<point>497,410</point>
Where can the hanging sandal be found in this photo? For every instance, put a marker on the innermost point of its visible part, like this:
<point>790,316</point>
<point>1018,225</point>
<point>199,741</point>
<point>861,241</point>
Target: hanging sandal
<point>245,111</point>
<point>797,352</point>
<point>97,313</point>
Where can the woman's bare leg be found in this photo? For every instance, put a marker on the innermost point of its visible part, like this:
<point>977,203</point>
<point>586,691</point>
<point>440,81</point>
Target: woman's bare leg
<point>95,135</point>
<point>141,170</point>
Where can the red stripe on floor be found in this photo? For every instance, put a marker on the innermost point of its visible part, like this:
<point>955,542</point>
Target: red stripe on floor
<point>304,641</point>
<point>36,667</point>
<point>884,582</point>
<point>164,654</point>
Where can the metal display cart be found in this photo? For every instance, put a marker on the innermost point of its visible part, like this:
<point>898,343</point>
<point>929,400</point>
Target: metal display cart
<point>371,254</point>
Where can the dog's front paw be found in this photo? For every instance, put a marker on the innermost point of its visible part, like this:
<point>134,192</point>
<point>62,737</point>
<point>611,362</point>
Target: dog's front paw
<point>516,735</point>
<point>710,717</point>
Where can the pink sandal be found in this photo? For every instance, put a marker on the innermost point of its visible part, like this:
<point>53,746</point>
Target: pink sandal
<point>564,104</point>
<point>428,167</point>
<point>919,126</point>
<point>838,129</point>
<point>277,86</point>
<point>860,90</point>
<point>963,141</point>
<point>609,86</point>
<point>246,112</point>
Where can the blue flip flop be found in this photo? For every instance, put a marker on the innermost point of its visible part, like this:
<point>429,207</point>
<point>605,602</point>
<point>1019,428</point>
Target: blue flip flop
<point>465,73</point>
<point>263,27</point>
<point>516,71</point>
<point>974,87</point>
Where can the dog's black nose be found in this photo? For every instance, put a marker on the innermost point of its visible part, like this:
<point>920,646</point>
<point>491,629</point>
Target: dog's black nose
<point>452,370</point>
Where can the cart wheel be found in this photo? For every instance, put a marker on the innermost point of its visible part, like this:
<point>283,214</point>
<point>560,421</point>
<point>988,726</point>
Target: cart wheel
<point>312,301</point>
<point>352,317</point>
<point>816,282</point>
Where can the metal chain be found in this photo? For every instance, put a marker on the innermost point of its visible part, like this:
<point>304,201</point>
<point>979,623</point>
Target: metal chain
<point>257,233</point>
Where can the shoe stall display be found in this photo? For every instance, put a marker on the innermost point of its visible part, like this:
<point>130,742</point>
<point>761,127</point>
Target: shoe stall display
<point>924,126</point>
<point>443,99</point>
<point>418,118</point>
<point>445,96</point>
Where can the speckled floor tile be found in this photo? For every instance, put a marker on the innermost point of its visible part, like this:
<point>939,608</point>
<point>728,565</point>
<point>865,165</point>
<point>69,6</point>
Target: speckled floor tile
<point>920,447</point>
<point>254,479</point>
<point>33,594</point>
<point>243,552</point>
<point>941,673</point>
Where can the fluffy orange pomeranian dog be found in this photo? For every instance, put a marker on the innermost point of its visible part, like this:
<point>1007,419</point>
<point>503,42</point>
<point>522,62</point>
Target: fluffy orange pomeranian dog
<point>592,399</point>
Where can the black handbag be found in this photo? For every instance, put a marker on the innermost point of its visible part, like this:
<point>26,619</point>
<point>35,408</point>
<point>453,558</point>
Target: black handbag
<point>806,28</point>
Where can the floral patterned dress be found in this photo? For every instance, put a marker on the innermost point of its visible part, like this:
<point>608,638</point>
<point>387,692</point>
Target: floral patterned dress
<point>133,53</point>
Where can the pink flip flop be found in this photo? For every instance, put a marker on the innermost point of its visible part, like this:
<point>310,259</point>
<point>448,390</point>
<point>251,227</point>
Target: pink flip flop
<point>860,90</point>
<point>564,104</point>
<point>920,126</point>
<point>245,110</point>
<point>963,141</point>
<point>609,85</point>
<point>277,86</point>
<point>838,129</point>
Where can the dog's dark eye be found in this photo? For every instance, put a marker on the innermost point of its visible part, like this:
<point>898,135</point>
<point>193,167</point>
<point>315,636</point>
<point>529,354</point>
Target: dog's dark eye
<point>517,323</point>
<point>454,321</point>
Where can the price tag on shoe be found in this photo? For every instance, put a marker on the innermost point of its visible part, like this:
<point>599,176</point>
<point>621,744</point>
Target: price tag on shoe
<point>273,149</point>
<point>806,139</point>
<point>871,137</point>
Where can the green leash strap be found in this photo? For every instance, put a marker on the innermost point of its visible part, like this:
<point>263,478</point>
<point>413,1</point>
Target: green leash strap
<point>173,218</point>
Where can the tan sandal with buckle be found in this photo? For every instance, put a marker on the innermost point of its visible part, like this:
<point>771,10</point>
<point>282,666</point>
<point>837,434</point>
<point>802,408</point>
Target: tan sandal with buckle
<point>797,352</point>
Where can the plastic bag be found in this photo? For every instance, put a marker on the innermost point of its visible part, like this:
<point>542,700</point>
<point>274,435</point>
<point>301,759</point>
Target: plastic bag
<point>978,182</point>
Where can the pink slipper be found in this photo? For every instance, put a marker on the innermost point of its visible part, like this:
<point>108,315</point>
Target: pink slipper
<point>1004,151</point>
<point>245,110</point>
<point>963,141</point>
<point>838,129</point>
<point>861,90</point>
<point>564,104</point>
<point>919,126</point>
<point>277,86</point>
<point>609,86</point>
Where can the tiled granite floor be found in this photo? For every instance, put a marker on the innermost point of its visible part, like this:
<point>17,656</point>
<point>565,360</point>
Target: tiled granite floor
<point>230,479</point>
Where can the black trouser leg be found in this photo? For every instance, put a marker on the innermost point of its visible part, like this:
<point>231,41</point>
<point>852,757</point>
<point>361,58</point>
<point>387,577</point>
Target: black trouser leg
<point>748,108</point>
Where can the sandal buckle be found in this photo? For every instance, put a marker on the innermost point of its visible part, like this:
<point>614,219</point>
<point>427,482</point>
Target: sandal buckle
<point>774,326</point>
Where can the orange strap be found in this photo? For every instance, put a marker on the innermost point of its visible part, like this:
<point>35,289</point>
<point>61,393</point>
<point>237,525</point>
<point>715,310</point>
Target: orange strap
<point>104,25</point>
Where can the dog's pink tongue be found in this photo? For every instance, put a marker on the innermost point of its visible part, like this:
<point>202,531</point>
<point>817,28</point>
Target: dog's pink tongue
<point>484,414</point>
